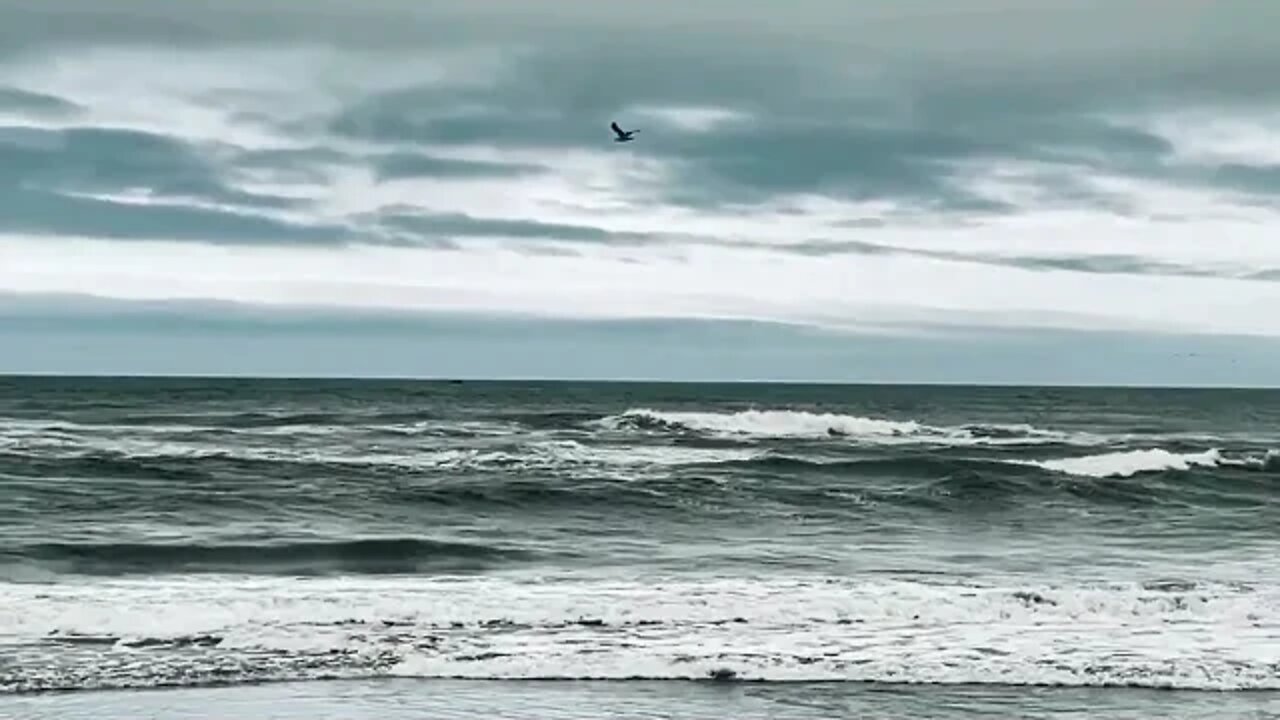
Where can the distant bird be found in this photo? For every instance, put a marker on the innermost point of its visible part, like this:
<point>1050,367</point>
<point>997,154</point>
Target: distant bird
<point>623,135</point>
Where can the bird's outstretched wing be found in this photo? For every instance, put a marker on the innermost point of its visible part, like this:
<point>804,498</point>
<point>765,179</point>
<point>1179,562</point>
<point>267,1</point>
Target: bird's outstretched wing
<point>616,130</point>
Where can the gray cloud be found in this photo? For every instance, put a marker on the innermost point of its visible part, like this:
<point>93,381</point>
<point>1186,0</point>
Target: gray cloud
<point>51,182</point>
<point>870,117</point>
<point>1260,180</point>
<point>1124,44</point>
<point>45,213</point>
<point>444,229</point>
<point>885,99</point>
<point>1093,34</point>
<point>796,138</point>
<point>740,165</point>
<point>88,159</point>
<point>396,166</point>
<point>875,100</point>
<point>1111,264</point>
<point>14,99</point>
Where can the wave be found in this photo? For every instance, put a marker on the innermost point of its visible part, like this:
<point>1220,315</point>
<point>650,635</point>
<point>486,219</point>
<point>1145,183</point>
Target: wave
<point>372,556</point>
<point>290,463</point>
<point>171,460</point>
<point>177,460</point>
<point>1127,463</point>
<point>562,476</point>
<point>251,424</point>
<point>798,424</point>
<point>1168,633</point>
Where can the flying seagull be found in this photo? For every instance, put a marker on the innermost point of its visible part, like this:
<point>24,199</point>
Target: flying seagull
<point>623,135</point>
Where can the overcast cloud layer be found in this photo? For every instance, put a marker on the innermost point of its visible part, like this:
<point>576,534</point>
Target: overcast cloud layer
<point>889,175</point>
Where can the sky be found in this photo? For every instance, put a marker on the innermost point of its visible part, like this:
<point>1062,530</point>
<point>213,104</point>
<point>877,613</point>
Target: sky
<point>1041,192</point>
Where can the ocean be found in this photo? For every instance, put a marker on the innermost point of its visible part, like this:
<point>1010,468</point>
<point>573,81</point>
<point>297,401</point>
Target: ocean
<point>341,548</point>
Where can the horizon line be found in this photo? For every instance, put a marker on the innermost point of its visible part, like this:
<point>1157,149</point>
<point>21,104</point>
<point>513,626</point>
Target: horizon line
<point>515,380</point>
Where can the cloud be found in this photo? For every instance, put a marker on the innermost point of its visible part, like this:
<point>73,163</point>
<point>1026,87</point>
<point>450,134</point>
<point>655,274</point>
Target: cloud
<point>450,226</point>
<point>40,213</point>
<point>395,166</point>
<point>25,101</point>
<point>1078,32</point>
<point>690,282</point>
<point>1069,165</point>
<point>79,335</point>
<point>112,160</point>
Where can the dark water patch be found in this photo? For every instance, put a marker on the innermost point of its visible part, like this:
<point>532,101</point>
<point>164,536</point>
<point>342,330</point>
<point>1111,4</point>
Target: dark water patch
<point>1033,598</point>
<point>242,420</point>
<point>365,556</point>
<point>274,489</point>
<point>711,442</point>
<point>552,466</point>
<point>555,420</point>
<point>652,423</point>
<point>993,432</point>
<point>1220,488</point>
<point>79,639</point>
<point>354,420</point>
<point>1120,492</point>
<point>966,490</point>
<point>259,426</point>
<point>518,493</point>
<point>509,476</point>
<point>1170,585</point>
<point>215,469</point>
<point>104,466</point>
<point>904,463</point>
<point>951,486</point>
<point>185,641</point>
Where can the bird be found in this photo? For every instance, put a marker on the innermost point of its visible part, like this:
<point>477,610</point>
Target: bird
<point>622,135</point>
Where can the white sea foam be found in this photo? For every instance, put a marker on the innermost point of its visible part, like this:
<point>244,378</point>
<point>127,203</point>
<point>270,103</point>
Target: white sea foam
<point>564,453</point>
<point>500,445</point>
<point>1205,636</point>
<point>1131,462</point>
<point>347,445</point>
<point>803,424</point>
<point>1128,463</point>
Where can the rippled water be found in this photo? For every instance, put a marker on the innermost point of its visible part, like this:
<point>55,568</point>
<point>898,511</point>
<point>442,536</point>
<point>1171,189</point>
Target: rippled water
<point>187,533</point>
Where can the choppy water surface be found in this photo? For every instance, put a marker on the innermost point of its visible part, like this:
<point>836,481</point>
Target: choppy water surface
<point>187,533</point>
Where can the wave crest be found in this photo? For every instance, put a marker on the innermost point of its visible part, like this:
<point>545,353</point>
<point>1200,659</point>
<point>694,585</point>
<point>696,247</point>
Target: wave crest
<point>1128,463</point>
<point>800,424</point>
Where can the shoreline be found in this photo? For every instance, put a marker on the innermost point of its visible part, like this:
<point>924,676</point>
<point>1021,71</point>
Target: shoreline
<point>395,698</point>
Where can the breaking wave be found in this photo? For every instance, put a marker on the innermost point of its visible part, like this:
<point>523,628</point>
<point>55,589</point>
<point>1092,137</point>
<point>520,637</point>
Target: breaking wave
<point>1128,463</point>
<point>802,424</point>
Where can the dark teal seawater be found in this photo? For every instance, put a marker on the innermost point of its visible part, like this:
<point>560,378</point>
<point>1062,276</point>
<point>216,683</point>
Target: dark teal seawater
<point>161,532</point>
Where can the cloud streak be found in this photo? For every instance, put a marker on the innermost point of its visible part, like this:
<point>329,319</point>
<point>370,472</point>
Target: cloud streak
<point>78,335</point>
